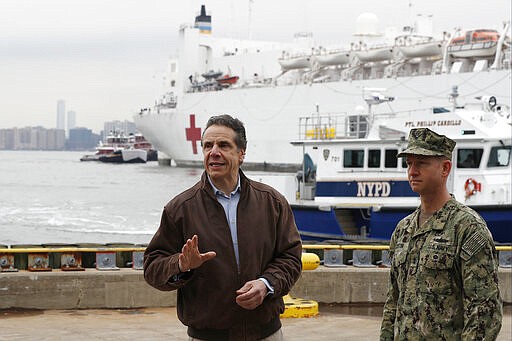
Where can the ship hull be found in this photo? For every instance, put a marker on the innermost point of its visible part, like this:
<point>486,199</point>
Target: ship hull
<point>321,225</point>
<point>270,113</point>
<point>125,156</point>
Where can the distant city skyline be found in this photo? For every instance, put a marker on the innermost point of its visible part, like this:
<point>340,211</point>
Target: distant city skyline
<point>106,59</point>
<point>70,121</point>
<point>74,138</point>
<point>65,120</point>
<point>61,114</point>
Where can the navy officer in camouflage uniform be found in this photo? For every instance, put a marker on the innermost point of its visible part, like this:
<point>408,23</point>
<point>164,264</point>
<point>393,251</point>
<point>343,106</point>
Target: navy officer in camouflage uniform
<point>444,269</point>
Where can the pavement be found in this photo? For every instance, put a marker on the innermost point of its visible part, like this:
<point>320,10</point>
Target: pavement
<point>334,322</point>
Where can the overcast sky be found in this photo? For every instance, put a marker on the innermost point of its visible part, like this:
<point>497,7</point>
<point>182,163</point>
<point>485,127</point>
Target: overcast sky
<point>106,58</point>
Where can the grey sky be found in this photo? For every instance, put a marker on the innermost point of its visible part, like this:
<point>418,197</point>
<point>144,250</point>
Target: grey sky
<point>105,58</point>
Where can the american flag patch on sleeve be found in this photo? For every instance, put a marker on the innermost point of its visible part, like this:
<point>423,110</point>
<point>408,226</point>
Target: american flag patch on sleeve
<point>473,245</point>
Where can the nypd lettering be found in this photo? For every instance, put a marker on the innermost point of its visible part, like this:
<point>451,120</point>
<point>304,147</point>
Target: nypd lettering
<point>373,189</point>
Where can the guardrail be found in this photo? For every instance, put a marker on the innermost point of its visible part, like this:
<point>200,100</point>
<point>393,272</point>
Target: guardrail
<point>142,248</point>
<point>361,255</point>
<point>371,247</point>
<point>71,258</point>
<point>72,249</point>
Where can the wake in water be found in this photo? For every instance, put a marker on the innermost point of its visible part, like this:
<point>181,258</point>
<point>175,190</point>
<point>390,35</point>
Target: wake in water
<point>66,201</point>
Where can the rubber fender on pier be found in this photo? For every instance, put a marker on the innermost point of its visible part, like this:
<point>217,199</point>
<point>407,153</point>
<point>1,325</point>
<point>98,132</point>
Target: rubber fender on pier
<point>298,307</point>
<point>310,261</point>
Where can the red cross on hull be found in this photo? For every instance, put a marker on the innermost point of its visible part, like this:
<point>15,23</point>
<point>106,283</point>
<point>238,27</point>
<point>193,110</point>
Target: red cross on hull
<point>193,133</point>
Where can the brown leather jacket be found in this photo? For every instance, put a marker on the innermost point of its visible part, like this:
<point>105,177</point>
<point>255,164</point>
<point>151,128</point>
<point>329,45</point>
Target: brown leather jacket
<point>269,247</point>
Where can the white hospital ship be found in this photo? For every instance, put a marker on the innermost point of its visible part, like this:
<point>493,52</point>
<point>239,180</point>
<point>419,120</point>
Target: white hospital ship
<point>269,85</point>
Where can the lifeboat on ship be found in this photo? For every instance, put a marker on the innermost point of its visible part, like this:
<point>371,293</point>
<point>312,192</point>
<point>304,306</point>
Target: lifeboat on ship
<point>375,53</point>
<point>212,74</point>
<point>294,62</point>
<point>418,47</point>
<point>332,58</point>
<point>476,43</point>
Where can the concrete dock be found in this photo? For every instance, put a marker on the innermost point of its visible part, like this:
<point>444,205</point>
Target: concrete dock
<point>352,322</point>
<point>119,305</point>
<point>126,288</point>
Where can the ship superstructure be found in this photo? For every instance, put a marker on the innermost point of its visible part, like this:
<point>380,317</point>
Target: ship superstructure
<point>268,85</point>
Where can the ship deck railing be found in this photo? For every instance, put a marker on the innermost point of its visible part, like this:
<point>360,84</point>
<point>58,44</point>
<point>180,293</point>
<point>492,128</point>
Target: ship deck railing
<point>335,126</point>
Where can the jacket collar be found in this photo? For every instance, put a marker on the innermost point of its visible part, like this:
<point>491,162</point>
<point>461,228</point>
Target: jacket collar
<point>206,186</point>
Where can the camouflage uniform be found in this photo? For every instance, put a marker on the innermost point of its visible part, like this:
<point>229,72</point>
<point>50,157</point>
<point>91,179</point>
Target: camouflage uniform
<point>444,274</point>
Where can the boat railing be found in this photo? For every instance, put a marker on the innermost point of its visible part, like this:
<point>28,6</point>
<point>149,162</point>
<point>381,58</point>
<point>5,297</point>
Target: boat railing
<point>336,126</point>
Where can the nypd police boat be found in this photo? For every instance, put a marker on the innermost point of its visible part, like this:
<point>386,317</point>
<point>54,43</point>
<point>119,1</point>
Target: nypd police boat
<point>353,186</point>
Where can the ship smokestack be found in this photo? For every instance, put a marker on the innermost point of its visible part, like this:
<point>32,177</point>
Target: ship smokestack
<point>203,22</point>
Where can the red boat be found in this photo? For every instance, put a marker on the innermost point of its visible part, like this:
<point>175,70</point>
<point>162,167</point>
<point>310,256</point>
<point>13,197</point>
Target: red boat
<point>227,80</point>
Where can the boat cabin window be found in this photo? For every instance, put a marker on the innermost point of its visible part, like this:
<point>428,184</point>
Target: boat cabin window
<point>353,158</point>
<point>469,158</point>
<point>499,156</point>
<point>374,158</point>
<point>390,159</point>
<point>439,110</point>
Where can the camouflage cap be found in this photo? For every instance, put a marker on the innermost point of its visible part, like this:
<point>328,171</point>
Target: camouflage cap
<point>423,141</point>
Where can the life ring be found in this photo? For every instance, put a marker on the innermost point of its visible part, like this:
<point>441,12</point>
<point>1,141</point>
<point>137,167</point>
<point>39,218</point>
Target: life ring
<point>471,187</point>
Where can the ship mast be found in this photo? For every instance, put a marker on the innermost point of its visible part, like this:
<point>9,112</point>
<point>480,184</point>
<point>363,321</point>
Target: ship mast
<point>249,20</point>
<point>501,40</point>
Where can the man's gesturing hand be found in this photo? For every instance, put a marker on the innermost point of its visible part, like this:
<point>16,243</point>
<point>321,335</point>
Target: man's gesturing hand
<point>190,258</point>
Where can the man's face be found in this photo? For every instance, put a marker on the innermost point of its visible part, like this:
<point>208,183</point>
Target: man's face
<point>222,158</point>
<point>427,174</point>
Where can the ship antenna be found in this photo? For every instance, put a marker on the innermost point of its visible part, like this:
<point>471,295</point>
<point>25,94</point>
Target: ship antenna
<point>453,96</point>
<point>249,21</point>
<point>501,40</point>
<point>318,122</point>
<point>375,97</point>
<point>410,13</point>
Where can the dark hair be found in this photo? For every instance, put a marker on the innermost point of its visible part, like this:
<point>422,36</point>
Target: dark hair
<point>233,123</point>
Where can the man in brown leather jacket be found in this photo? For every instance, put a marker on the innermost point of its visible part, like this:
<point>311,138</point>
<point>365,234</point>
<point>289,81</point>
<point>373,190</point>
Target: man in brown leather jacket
<point>229,245</point>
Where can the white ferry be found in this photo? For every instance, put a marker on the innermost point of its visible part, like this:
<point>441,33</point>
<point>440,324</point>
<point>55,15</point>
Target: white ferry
<point>353,186</point>
<point>268,85</point>
<point>122,148</point>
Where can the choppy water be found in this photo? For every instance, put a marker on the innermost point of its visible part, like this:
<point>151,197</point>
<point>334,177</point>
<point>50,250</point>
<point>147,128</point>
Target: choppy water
<point>52,197</point>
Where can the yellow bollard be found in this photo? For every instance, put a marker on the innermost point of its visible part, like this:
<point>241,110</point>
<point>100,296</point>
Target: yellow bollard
<point>298,307</point>
<point>310,261</point>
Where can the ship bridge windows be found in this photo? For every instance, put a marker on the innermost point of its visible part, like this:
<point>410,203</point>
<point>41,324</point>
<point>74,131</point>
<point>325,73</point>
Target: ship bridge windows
<point>353,158</point>
<point>439,110</point>
<point>499,156</point>
<point>358,126</point>
<point>390,159</point>
<point>469,157</point>
<point>374,158</point>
